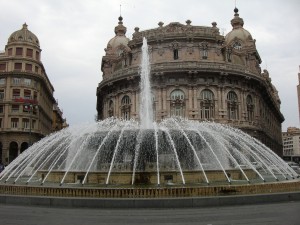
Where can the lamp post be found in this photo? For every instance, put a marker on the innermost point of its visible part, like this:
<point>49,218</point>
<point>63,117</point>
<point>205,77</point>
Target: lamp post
<point>31,107</point>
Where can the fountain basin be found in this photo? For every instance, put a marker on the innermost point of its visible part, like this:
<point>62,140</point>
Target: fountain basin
<point>148,178</point>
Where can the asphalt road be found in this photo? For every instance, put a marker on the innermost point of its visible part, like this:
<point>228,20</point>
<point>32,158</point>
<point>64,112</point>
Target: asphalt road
<point>263,214</point>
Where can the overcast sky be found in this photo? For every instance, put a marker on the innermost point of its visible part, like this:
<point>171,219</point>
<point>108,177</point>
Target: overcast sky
<point>74,33</point>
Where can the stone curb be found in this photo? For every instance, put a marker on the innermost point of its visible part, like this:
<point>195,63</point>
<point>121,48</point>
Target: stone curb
<point>149,203</point>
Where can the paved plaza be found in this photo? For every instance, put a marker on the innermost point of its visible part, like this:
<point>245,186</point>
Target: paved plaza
<point>260,214</point>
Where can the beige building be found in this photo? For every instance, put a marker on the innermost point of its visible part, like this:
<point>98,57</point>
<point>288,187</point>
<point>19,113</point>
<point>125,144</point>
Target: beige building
<point>291,144</point>
<point>26,95</point>
<point>298,92</point>
<point>196,73</point>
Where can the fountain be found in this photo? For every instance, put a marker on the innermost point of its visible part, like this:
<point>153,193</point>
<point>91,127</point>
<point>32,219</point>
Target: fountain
<point>117,158</point>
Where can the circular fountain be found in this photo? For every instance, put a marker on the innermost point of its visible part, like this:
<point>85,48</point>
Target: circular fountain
<point>127,158</point>
<point>175,152</point>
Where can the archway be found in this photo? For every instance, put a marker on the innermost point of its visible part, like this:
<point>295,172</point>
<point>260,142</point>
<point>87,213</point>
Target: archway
<point>13,151</point>
<point>1,154</point>
<point>24,146</point>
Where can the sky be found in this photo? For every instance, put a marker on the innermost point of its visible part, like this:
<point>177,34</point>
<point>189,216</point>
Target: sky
<point>74,33</point>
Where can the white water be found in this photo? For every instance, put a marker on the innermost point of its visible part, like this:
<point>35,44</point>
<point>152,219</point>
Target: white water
<point>146,109</point>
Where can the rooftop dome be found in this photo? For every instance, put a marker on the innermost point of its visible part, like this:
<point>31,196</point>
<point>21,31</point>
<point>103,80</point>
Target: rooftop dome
<point>24,35</point>
<point>238,32</point>
<point>120,38</point>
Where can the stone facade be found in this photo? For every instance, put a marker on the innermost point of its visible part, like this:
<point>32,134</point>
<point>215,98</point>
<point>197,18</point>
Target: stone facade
<point>26,95</point>
<point>196,73</point>
<point>291,143</point>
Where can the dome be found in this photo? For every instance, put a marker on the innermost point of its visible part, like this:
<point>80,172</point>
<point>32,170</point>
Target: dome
<point>238,32</point>
<point>23,35</point>
<point>120,38</point>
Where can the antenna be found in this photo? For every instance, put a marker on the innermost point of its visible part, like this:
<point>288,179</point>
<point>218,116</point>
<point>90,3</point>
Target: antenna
<point>120,9</point>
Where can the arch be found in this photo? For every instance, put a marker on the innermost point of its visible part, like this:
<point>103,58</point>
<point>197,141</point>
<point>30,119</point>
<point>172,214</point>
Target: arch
<point>177,103</point>
<point>206,94</point>
<point>125,100</point>
<point>250,108</point>
<point>24,146</point>
<point>207,107</point>
<point>13,151</point>
<point>126,107</point>
<point>177,94</point>
<point>232,106</point>
<point>1,151</point>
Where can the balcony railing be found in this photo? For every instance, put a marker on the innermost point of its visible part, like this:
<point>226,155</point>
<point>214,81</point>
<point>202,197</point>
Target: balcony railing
<point>185,66</point>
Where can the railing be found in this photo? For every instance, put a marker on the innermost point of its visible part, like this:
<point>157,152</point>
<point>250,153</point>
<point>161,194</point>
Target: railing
<point>158,192</point>
<point>185,66</point>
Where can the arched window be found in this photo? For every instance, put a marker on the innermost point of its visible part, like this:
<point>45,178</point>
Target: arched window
<point>232,106</point>
<point>13,151</point>
<point>111,108</point>
<point>250,108</point>
<point>177,103</point>
<point>125,107</point>
<point>207,107</point>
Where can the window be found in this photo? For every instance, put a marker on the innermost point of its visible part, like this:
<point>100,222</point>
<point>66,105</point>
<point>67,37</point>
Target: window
<point>35,96</point>
<point>28,67</point>
<point>19,51</point>
<point>37,55</point>
<point>125,100</point>
<point>177,94</point>
<point>232,106</point>
<point>27,82</point>
<point>25,123</point>
<point>125,107</point>
<point>175,54</point>
<point>207,107</point>
<point>16,80</point>
<point>2,81</point>
<point>27,94</point>
<point>237,45</point>
<point>33,124</point>
<point>1,108</point>
<point>111,108</point>
<point>1,94</point>
<point>36,69</point>
<point>229,51</point>
<point>16,93</point>
<point>9,52</point>
<point>18,66</point>
<point>14,122</point>
<point>29,52</point>
<point>250,108</point>
<point>15,108</point>
<point>204,47</point>
<point>177,103</point>
<point>3,66</point>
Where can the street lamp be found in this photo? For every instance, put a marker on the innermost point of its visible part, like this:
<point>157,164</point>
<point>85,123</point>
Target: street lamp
<point>31,108</point>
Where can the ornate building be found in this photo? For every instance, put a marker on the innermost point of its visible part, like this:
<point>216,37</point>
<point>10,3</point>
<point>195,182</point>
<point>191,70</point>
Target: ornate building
<point>196,73</point>
<point>26,95</point>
